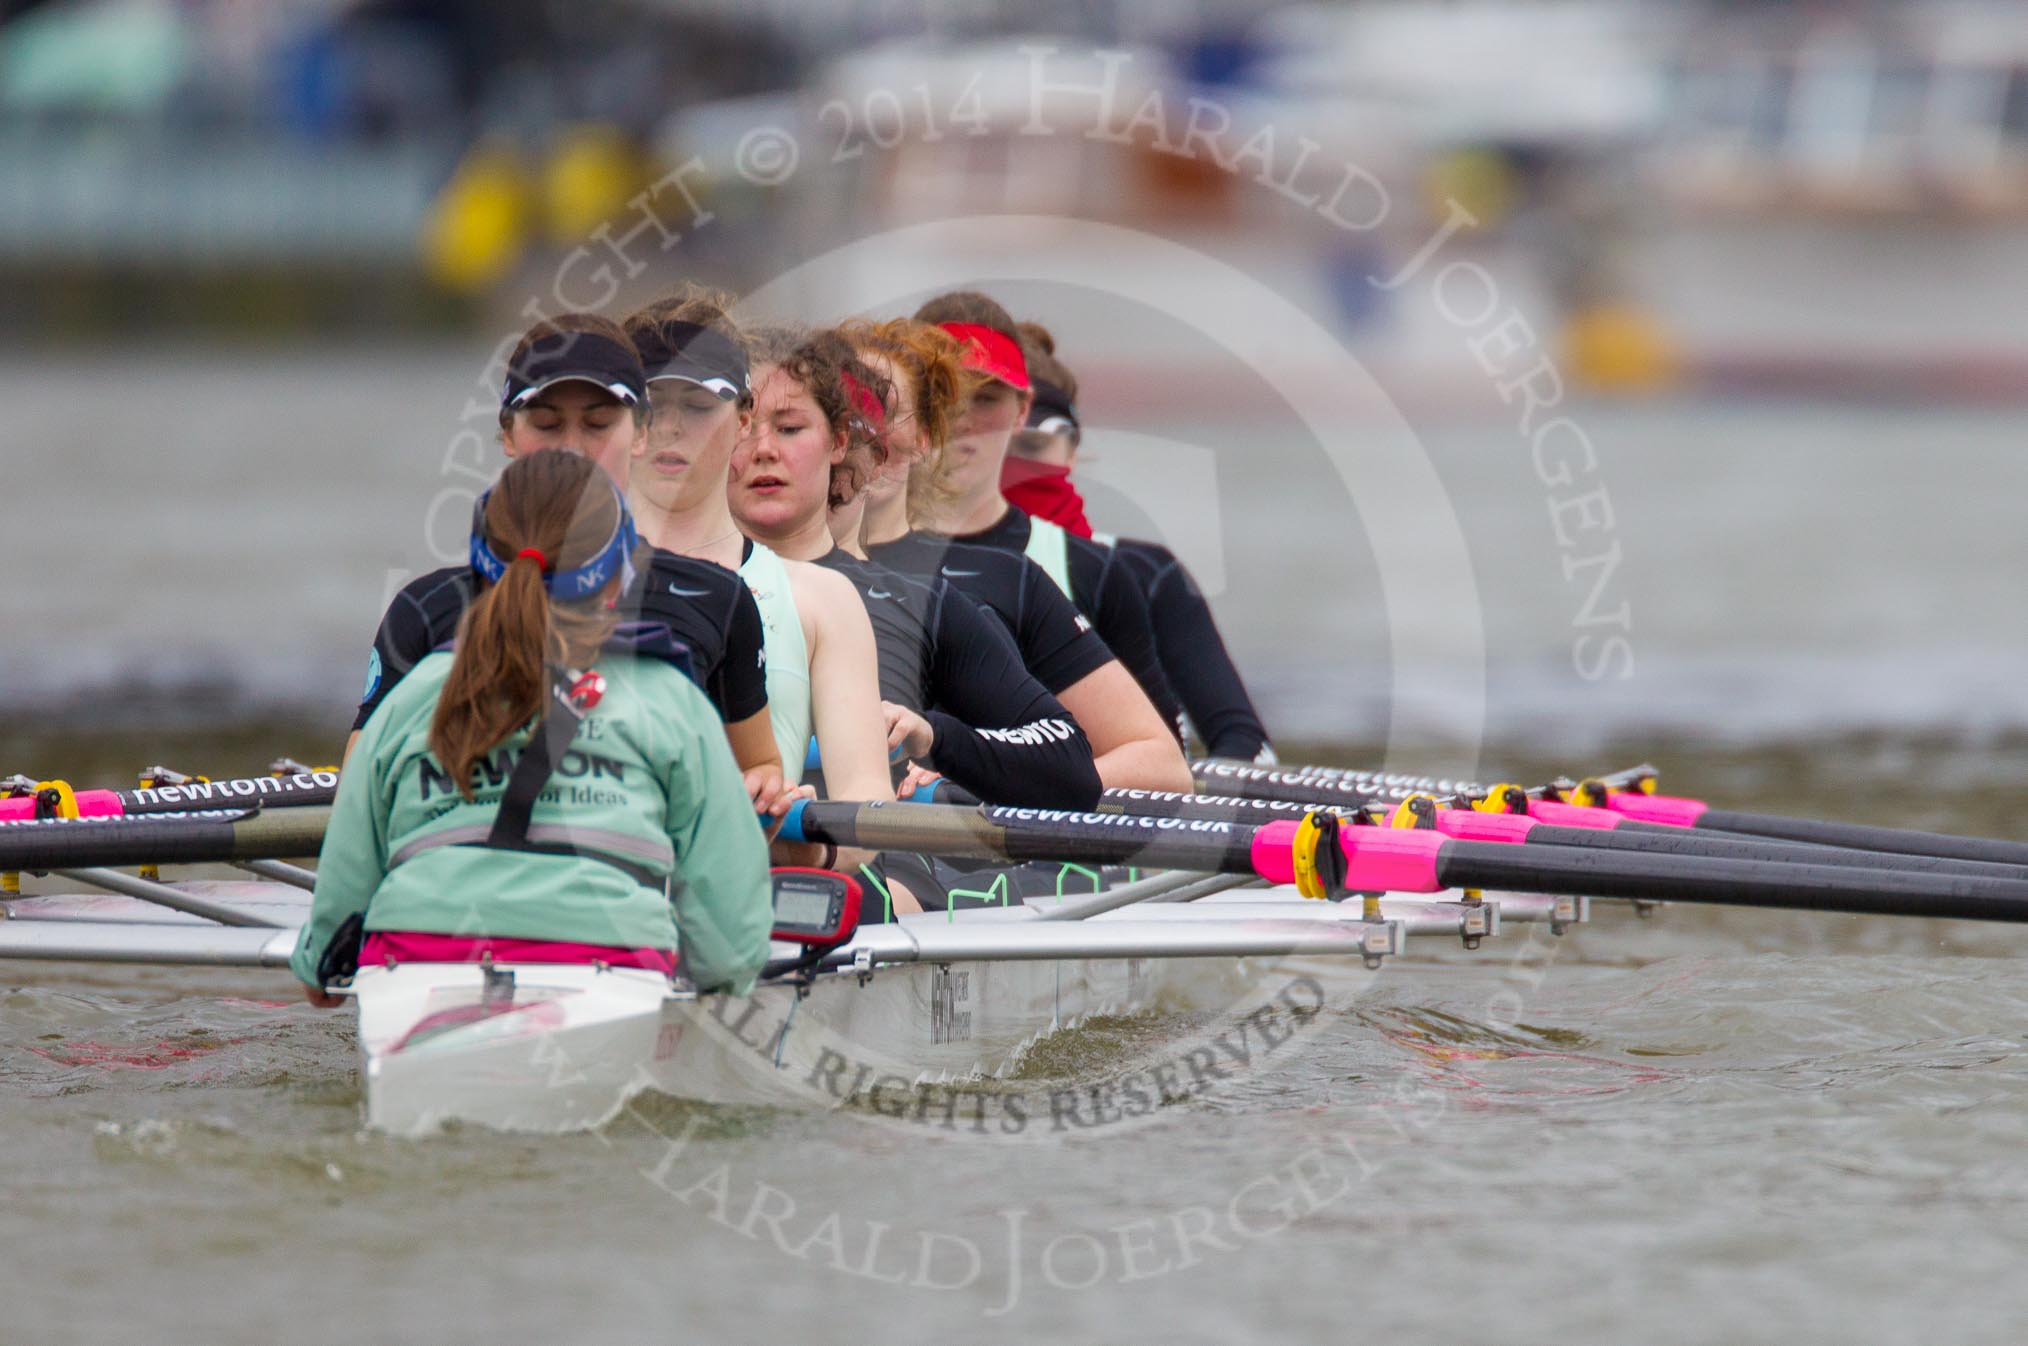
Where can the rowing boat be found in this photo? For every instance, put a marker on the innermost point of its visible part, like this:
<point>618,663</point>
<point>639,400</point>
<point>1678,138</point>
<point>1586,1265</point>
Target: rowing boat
<point>936,999</point>
<point>941,999</point>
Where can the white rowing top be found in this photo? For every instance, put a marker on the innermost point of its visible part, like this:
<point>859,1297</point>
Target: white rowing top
<point>788,672</point>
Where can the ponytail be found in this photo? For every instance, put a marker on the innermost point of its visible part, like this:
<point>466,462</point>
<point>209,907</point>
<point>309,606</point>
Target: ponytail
<point>549,511</point>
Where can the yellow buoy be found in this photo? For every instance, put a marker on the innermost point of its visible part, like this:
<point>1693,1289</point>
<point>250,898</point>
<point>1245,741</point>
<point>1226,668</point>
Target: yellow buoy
<point>1619,347</point>
<point>477,230</point>
<point>587,180</point>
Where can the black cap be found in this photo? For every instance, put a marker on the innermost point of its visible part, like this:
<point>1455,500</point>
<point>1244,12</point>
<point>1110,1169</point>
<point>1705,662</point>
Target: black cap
<point>575,357</point>
<point>695,354</point>
<point>1051,403</point>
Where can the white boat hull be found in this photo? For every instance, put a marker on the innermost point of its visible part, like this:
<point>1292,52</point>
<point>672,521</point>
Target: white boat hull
<point>563,1047</point>
<point>571,1045</point>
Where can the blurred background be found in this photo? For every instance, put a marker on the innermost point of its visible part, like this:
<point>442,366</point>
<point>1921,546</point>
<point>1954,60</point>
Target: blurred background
<point>1769,261</point>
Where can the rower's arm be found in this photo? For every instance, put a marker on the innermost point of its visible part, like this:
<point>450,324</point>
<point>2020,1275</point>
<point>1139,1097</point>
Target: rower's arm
<point>844,691</point>
<point>998,732</point>
<point>1194,657</point>
<point>759,759</point>
<point>1131,746</point>
<point>1118,608</point>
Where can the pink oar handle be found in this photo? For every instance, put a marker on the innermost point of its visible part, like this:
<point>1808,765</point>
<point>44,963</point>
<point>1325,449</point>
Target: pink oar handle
<point>1378,859</point>
<point>1674,810</point>
<point>90,804</point>
<point>1471,825</point>
<point>1572,815</point>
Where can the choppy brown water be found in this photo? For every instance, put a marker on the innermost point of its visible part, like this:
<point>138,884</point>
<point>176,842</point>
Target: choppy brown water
<point>1706,1126</point>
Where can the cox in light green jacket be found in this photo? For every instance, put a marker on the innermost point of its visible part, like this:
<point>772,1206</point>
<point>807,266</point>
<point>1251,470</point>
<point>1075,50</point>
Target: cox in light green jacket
<point>648,779</point>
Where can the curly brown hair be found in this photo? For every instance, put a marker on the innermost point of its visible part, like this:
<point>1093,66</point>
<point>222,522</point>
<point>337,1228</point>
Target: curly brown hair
<point>820,362</point>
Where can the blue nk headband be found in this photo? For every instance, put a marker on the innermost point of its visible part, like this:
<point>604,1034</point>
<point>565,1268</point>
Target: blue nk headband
<point>615,558</point>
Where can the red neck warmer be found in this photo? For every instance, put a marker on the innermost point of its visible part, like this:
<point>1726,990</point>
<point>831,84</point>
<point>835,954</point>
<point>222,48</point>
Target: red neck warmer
<point>1045,491</point>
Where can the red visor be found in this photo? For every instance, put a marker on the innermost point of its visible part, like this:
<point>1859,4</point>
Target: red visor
<point>866,402</point>
<point>991,353</point>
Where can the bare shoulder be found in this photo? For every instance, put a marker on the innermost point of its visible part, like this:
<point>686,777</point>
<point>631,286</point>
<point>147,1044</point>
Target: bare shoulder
<point>815,584</point>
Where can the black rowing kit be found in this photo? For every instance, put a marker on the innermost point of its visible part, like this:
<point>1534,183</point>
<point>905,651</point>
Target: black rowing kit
<point>705,607</point>
<point>999,732</point>
<point>1105,592</point>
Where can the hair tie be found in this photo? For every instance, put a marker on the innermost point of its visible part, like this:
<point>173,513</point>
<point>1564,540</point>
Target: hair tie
<point>541,561</point>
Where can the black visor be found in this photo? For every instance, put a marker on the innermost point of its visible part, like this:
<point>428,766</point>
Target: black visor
<point>575,357</point>
<point>695,354</point>
<point>1052,404</point>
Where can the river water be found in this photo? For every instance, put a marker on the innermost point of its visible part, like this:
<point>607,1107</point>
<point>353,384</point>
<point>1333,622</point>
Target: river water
<point>1704,1125</point>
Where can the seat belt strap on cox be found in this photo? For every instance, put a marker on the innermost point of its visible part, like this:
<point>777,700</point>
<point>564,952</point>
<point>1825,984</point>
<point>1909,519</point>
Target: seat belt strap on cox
<point>571,696</point>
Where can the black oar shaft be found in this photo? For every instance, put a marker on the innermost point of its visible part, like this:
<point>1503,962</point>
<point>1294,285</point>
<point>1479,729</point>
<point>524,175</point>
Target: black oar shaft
<point>318,787</point>
<point>1224,775</point>
<point>1892,840</point>
<point>165,840</point>
<point>1250,782</point>
<point>1662,840</point>
<point>1230,808</point>
<point>1666,878</point>
<point>1020,834</point>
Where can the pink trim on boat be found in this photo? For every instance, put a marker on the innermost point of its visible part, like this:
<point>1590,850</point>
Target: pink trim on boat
<point>1674,810</point>
<point>1572,815</point>
<point>1472,825</point>
<point>421,946</point>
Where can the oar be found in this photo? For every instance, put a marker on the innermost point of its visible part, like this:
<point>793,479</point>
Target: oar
<point>1476,825</point>
<point>1677,811</point>
<point>1322,785</point>
<point>1617,802</point>
<point>173,839</point>
<point>1531,830</point>
<point>1394,859</point>
<point>310,788</point>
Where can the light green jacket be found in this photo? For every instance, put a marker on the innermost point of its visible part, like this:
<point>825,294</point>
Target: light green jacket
<point>648,778</point>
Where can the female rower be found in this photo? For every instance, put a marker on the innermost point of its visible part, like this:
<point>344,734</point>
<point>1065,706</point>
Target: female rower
<point>821,666</point>
<point>959,700</point>
<point>977,513</point>
<point>1193,654</point>
<point>1131,746</point>
<point>445,840</point>
<point>575,383</point>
